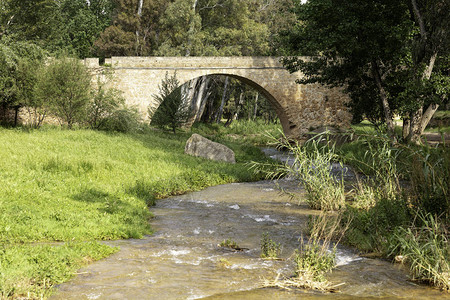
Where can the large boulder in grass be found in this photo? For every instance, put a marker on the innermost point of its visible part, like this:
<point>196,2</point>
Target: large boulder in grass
<point>199,146</point>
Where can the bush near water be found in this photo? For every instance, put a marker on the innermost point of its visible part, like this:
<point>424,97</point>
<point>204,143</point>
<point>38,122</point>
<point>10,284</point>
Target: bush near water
<point>398,206</point>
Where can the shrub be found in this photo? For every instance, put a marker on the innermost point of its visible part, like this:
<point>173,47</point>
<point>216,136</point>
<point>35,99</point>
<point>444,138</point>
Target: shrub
<point>365,195</point>
<point>126,119</point>
<point>64,87</point>
<point>430,180</point>
<point>381,214</point>
<point>173,110</point>
<point>376,156</point>
<point>105,102</point>
<point>229,243</point>
<point>317,256</point>
<point>313,259</point>
<point>269,248</point>
<point>19,62</point>
<point>26,77</point>
<point>312,166</point>
<point>8,66</point>
<point>426,249</point>
<point>370,229</point>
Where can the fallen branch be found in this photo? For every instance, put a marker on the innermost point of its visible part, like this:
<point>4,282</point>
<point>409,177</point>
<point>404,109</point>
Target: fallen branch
<point>304,281</point>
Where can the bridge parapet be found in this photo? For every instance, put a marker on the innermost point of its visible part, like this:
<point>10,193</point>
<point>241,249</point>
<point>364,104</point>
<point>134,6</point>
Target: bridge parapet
<point>197,62</point>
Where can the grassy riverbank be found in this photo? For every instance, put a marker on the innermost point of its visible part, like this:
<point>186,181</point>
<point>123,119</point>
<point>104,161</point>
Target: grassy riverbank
<point>398,207</point>
<point>256,132</point>
<point>77,186</point>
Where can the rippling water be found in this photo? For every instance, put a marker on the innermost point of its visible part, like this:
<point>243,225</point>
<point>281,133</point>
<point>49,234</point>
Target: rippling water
<point>182,259</point>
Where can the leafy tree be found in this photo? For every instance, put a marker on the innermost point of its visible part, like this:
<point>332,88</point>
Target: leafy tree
<point>64,86</point>
<point>37,21</point>
<point>212,28</point>
<point>71,25</point>
<point>84,21</point>
<point>181,27</point>
<point>134,29</point>
<point>429,81</point>
<point>8,67</point>
<point>278,16</point>
<point>114,42</point>
<point>19,62</point>
<point>104,104</point>
<point>26,78</point>
<point>371,48</point>
<point>233,27</point>
<point>173,110</point>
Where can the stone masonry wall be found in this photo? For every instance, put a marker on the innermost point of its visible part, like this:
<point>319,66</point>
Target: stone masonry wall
<point>299,107</point>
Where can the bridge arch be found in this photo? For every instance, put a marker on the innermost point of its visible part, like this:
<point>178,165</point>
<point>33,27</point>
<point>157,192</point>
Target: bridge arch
<point>299,107</point>
<point>281,114</point>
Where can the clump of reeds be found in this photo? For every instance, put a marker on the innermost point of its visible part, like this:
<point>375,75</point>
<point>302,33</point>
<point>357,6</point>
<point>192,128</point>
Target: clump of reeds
<point>269,248</point>
<point>426,250</point>
<point>311,166</point>
<point>315,256</point>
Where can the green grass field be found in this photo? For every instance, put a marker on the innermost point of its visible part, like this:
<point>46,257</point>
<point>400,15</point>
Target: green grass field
<point>78,186</point>
<point>248,132</point>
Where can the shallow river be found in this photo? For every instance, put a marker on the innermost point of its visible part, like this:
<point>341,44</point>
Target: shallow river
<point>182,259</point>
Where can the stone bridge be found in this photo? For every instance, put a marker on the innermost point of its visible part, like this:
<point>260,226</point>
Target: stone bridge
<point>299,107</point>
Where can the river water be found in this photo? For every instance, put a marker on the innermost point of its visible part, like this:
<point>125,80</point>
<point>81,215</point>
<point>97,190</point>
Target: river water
<point>182,260</point>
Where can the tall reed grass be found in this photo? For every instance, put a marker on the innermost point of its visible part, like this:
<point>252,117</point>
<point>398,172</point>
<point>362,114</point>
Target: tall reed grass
<point>312,166</point>
<point>426,249</point>
<point>403,204</point>
<point>399,203</point>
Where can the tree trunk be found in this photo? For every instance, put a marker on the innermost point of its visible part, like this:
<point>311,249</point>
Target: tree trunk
<point>204,99</point>
<point>198,97</point>
<point>16,115</point>
<point>420,120</point>
<point>384,99</point>
<point>188,96</point>
<point>222,103</point>
<point>188,90</point>
<point>139,13</point>
<point>229,119</point>
<point>210,117</point>
<point>141,4</point>
<point>191,30</point>
<point>197,100</point>
<point>256,106</point>
<point>414,131</point>
<point>238,108</point>
<point>406,127</point>
<point>426,117</point>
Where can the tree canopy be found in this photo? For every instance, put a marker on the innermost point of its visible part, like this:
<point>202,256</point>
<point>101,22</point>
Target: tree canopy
<point>391,56</point>
<point>147,27</point>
